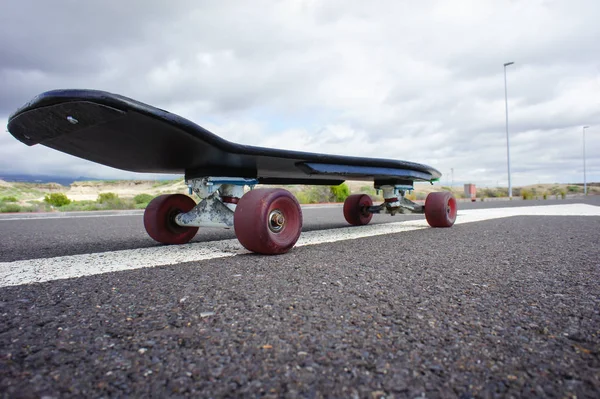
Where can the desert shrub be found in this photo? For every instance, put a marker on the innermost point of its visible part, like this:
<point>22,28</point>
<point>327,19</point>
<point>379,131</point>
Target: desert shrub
<point>501,191</point>
<point>563,194</point>
<point>57,199</point>
<point>554,190</point>
<point>340,193</point>
<point>574,189</point>
<point>37,206</point>
<point>314,195</point>
<point>112,201</point>
<point>107,197</point>
<point>81,206</point>
<point>142,198</point>
<point>488,192</point>
<point>526,194</point>
<point>10,208</point>
<point>9,199</point>
<point>495,192</point>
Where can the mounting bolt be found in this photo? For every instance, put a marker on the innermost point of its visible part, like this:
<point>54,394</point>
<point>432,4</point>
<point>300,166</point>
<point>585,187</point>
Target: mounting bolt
<point>72,120</point>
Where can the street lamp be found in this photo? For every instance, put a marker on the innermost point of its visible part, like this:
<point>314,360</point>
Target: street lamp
<point>584,179</point>
<point>507,139</point>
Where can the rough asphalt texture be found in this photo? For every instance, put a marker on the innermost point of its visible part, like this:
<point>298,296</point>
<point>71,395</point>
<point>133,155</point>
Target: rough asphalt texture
<point>507,307</point>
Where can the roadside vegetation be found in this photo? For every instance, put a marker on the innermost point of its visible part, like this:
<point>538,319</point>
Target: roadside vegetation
<point>61,203</point>
<point>51,197</point>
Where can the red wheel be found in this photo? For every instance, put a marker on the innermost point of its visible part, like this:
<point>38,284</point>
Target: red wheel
<point>355,209</point>
<point>159,219</point>
<point>440,209</point>
<point>268,221</point>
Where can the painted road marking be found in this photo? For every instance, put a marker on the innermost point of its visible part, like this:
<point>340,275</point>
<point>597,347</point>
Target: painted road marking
<point>62,267</point>
<point>103,214</point>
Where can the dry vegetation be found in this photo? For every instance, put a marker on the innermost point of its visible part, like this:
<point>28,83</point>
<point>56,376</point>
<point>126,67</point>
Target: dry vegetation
<point>135,194</point>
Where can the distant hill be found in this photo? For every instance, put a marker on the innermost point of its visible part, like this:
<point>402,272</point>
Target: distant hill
<point>62,180</point>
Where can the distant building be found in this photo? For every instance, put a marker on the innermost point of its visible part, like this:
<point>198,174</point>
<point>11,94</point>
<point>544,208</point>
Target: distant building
<point>470,191</point>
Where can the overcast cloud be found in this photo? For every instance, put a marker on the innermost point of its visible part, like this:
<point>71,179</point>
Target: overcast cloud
<point>421,81</point>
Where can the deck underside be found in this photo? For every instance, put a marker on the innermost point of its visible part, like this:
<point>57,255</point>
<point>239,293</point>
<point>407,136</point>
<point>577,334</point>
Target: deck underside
<point>128,135</point>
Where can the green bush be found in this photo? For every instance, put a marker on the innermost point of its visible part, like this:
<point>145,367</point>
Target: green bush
<point>9,199</point>
<point>107,197</point>
<point>340,193</point>
<point>574,189</point>
<point>57,199</point>
<point>10,208</point>
<point>526,194</point>
<point>142,198</point>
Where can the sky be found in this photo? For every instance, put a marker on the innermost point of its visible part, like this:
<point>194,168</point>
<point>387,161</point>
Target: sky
<point>413,80</point>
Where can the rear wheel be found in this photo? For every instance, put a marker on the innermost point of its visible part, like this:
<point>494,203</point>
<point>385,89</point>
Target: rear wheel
<point>159,219</point>
<point>268,221</point>
<point>355,209</point>
<point>440,209</point>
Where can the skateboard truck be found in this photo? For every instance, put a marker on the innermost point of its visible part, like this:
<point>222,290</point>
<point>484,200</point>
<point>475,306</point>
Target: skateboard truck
<point>219,197</point>
<point>395,201</point>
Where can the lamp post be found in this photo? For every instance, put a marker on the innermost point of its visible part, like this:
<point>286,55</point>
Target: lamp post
<point>584,178</point>
<point>507,139</point>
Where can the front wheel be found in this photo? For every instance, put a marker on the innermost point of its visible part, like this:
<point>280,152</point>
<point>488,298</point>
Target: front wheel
<point>440,209</point>
<point>268,221</point>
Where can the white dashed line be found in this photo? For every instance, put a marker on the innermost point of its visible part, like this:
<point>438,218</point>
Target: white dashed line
<point>62,267</point>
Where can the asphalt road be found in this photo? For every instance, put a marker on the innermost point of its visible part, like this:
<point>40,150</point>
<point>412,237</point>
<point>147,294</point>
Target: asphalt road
<point>498,308</point>
<point>27,236</point>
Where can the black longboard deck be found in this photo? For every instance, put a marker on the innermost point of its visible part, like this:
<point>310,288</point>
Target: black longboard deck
<point>126,134</point>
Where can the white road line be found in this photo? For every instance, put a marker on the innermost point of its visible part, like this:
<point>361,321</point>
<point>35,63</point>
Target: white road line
<point>51,216</point>
<point>48,269</point>
<point>104,214</point>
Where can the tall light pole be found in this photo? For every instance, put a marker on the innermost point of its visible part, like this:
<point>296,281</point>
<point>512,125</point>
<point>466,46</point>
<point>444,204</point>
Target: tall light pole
<point>507,139</point>
<point>584,179</point>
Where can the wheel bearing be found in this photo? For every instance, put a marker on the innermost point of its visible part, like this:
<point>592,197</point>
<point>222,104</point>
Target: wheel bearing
<point>276,221</point>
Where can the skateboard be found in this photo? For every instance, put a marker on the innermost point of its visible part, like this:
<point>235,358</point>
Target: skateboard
<point>126,134</point>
